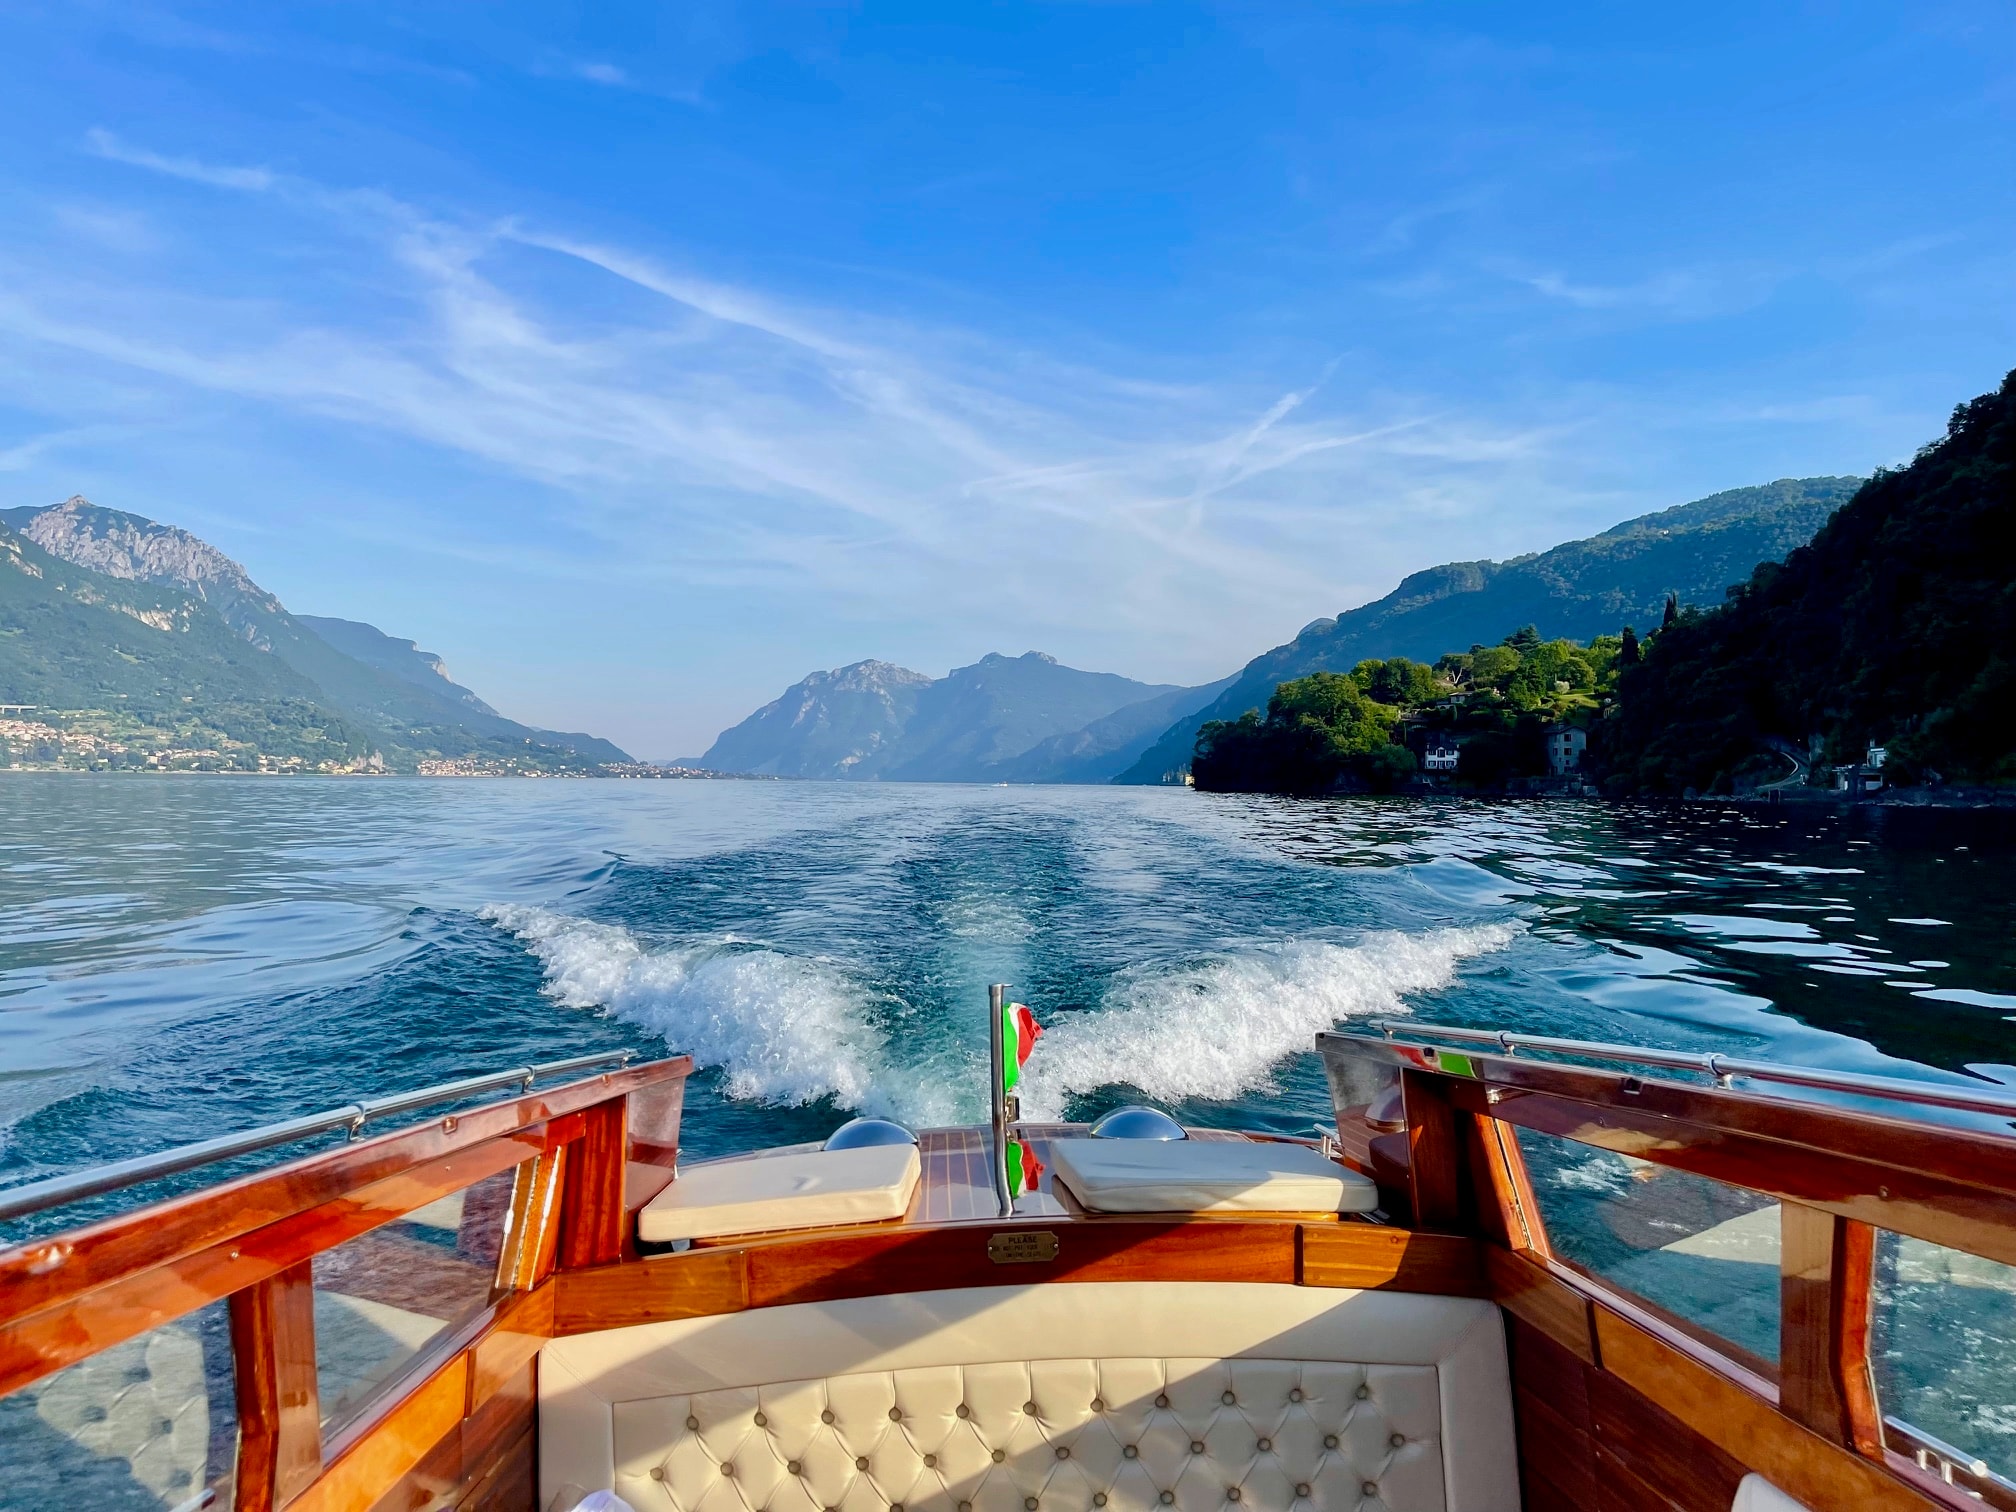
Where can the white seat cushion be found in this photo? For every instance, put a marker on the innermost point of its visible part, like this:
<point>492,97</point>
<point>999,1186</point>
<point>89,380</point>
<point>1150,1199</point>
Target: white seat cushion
<point>813,1190</point>
<point>1294,1398</point>
<point>1756,1494</point>
<point>1207,1176</point>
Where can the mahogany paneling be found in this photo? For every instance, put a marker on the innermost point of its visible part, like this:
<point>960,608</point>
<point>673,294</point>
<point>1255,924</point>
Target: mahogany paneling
<point>1638,1443</point>
<point>1746,1428</point>
<point>279,1409</point>
<point>1526,1289</point>
<point>532,1230</point>
<point>395,1446</point>
<point>1826,1272</point>
<point>1389,1259</point>
<point>1434,1156</point>
<point>38,1345</point>
<point>522,1325</point>
<point>511,1484</point>
<point>41,1273</point>
<point>693,1285</point>
<point>593,1230</point>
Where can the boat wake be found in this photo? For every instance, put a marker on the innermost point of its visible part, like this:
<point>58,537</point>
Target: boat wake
<point>781,1029</point>
<point>1218,1028</point>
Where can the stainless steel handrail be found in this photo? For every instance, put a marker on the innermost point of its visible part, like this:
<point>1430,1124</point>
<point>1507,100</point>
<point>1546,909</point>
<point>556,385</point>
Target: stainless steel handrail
<point>1724,1068</point>
<point>54,1191</point>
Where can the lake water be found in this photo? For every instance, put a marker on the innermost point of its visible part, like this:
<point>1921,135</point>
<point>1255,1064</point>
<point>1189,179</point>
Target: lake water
<point>184,956</point>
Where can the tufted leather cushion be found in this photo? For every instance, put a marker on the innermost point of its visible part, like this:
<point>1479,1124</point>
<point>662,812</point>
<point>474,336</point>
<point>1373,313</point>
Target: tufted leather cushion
<point>1195,1176</point>
<point>814,1189</point>
<point>1231,1396</point>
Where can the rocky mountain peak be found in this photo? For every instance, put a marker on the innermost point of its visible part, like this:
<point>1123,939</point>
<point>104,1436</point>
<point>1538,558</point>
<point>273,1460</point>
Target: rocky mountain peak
<point>127,546</point>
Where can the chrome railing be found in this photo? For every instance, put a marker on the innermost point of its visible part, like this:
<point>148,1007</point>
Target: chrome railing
<point>1723,1068</point>
<point>54,1191</point>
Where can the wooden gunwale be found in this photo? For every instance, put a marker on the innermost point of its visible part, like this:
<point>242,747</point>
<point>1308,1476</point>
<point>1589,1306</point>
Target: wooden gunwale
<point>39,1273</point>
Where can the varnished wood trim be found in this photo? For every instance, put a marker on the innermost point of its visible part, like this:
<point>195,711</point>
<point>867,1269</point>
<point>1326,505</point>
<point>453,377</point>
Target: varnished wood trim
<point>1825,1277</point>
<point>361,1475</point>
<point>1524,1287</point>
<point>279,1410</point>
<point>47,1341</point>
<point>1387,1259</point>
<point>693,1285</point>
<point>44,1272</point>
<point>521,1327</point>
<point>1434,1186</point>
<point>592,1227</point>
<point>1749,1429</point>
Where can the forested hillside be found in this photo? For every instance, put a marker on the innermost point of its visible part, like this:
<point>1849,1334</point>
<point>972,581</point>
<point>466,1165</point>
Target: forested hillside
<point>1579,590</point>
<point>1896,625</point>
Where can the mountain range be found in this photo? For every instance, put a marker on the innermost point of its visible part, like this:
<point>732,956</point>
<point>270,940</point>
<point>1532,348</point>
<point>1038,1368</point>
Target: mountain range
<point>1031,719</point>
<point>147,637</point>
<point>1004,719</point>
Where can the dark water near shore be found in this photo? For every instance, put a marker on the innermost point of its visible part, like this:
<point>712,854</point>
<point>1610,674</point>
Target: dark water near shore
<point>181,957</point>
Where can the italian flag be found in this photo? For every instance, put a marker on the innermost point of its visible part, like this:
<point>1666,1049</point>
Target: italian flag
<point>1019,1033</point>
<point>1024,1169</point>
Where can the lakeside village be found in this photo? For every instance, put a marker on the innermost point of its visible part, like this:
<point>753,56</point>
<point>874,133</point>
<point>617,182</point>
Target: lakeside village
<point>1517,718</point>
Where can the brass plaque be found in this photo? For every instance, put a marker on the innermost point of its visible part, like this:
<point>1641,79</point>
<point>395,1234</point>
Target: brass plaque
<point>1021,1247</point>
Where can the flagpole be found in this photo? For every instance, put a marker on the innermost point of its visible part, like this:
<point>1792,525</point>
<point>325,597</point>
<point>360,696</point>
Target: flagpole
<point>997,1000</point>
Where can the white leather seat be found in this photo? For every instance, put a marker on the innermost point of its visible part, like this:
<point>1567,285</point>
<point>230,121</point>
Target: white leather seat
<point>814,1189</point>
<point>1756,1494</point>
<point>1065,1397</point>
<point>1207,1176</point>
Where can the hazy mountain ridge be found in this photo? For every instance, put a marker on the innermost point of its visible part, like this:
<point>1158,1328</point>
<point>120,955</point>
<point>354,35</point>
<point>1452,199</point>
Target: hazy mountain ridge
<point>873,721</point>
<point>383,695</point>
<point>1579,589</point>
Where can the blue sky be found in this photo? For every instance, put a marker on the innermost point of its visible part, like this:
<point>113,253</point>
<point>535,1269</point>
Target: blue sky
<point>641,359</point>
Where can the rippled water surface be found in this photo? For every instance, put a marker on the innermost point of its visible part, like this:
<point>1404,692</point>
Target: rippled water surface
<point>183,956</point>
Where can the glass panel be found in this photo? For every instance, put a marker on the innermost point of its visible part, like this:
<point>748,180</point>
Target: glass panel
<point>151,1423</point>
<point>1702,1250</point>
<point>384,1296</point>
<point>1940,1328</point>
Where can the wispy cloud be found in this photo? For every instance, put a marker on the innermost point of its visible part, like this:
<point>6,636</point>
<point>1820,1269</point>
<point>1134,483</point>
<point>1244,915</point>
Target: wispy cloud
<point>602,73</point>
<point>722,434</point>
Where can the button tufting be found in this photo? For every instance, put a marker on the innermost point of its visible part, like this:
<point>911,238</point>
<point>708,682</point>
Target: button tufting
<point>1161,1401</point>
<point>762,1421</point>
<point>1030,1408</point>
<point>861,1462</point>
<point>1131,1452</point>
<point>1231,1493</point>
<point>657,1472</point>
<point>895,1414</point>
<point>826,1416</point>
<point>1302,1488</point>
<point>930,1462</point>
<point>965,1507</point>
<point>795,1468</point>
<point>1295,1395</point>
<point>1062,1452</point>
<point>1196,1446</point>
<point>727,1469</point>
<point>692,1425</point>
<point>1000,1455</point>
<point>1228,1399</point>
<point>1363,1393</point>
<point>963,1410</point>
<point>1264,1445</point>
<point>1029,1504</point>
<point>895,1507</point>
<point>1370,1488</point>
<point>1098,1404</point>
<point>1397,1440</point>
<point>1168,1498</point>
<point>1098,1498</point>
<point>1329,1441</point>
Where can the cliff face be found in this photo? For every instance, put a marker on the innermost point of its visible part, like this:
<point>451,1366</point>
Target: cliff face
<point>1579,590</point>
<point>842,723</point>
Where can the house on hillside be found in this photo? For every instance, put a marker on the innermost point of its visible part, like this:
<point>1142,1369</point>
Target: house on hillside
<point>1565,745</point>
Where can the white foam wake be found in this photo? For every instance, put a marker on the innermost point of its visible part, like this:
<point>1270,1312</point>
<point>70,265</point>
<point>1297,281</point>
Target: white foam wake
<point>1218,1028</point>
<point>781,1028</point>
